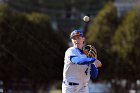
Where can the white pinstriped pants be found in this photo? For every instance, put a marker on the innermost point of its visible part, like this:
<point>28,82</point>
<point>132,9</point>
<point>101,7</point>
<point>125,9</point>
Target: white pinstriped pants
<point>74,88</point>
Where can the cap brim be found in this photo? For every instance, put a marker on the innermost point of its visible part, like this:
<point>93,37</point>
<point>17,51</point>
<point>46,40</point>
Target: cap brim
<point>77,35</point>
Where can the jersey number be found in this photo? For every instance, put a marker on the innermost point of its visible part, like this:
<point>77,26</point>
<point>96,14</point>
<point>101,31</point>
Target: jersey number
<point>86,72</point>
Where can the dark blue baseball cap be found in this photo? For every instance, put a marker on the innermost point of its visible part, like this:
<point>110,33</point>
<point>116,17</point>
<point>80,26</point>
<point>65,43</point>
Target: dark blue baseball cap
<point>76,33</point>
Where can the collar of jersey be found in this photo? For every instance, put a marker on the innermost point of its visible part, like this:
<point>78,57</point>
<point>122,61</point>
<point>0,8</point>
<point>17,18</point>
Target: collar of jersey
<point>81,51</point>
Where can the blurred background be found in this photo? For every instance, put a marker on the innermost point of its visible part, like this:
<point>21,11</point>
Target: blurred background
<point>34,35</point>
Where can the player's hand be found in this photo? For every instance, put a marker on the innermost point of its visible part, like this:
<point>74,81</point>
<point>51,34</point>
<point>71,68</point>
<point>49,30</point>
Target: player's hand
<point>97,63</point>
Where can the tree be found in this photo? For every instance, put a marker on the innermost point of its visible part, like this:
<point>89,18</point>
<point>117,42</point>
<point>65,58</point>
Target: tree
<point>101,31</point>
<point>126,45</point>
<point>29,49</point>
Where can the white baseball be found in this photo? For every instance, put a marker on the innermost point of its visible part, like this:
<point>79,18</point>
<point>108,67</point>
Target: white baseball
<point>86,18</point>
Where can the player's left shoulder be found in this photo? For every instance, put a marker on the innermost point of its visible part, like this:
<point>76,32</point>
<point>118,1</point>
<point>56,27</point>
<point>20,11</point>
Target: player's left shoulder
<point>73,49</point>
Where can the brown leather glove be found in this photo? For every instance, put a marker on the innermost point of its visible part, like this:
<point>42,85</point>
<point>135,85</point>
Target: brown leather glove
<point>90,51</point>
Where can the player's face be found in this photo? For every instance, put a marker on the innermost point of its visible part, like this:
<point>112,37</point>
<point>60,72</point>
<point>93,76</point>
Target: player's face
<point>78,41</point>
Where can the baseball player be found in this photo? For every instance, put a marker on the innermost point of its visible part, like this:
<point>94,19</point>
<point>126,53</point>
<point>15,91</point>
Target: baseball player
<point>78,68</point>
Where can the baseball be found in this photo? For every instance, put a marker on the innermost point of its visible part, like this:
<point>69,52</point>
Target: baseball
<point>86,18</point>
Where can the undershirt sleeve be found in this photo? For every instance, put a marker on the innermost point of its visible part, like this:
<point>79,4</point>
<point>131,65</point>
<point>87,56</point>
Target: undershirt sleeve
<point>93,71</point>
<point>81,60</point>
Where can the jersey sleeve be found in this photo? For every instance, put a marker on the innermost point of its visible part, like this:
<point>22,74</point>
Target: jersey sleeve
<point>69,53</point>
<point>93,71</point>
<point>81,60</point>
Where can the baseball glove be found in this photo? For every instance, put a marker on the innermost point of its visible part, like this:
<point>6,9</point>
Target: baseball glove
<point>90,51</point>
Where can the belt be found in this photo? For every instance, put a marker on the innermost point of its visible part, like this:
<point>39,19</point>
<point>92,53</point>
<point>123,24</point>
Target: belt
<point>70,83</point>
